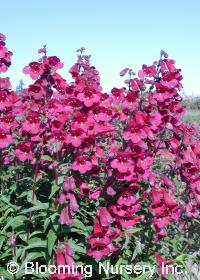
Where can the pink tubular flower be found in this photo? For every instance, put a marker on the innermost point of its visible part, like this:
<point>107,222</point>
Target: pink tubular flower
<point>6,158</point>
<point>32,123</point>
<point>35,69</point>
<point>191,211</point>
<point>162,265</point>
<point>124,71</point>
<point>98,240</point>
<point>135,133</point>
<point>73,202</point>
<point>125,209</point>
<point>101,251</point>
<point>59,137</point>
<point>60,256</point>
<point>129,222</point>
<point>101,114</point>
<point>110,191</point>
<point>62,198</point>
<point>5,83</point>
<point>88,97</point>
<point>98,252</point>
<point>161,222</point>
<point>66,265</point>
<point>23,152</point>
<point>169,199</point>
<point>81,121</point>
<point>36,91</point>
<point>147,71</point>
<point>126,199</point>
<point>2,37</point>
<point>5,62</point>
<point>95,195</point>
<point>165,209</point>
<point>157,195</point>
<point>54,63</point>
<point>82,164</point>
<point>101,241</point>
<point>68,249</point>
<point>69,184</point>
<point>104,216</point>
<point>66,217</point>
<point>74,70</point>
<point>75,137</point>
<point>131,101</point>
<point>5,139</point>
<point>4,100</point>
<point>122,163</point>
<point>43,50</point>
<point>8,122</point>
<point>5,55</point>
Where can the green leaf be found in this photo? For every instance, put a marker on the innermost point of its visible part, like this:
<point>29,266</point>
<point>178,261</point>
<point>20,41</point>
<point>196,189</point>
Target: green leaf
<point>78,224</point>
<point>79,231</point>
<point>46,157</point>
<point>15,222</point>
<point>133,230</point>
<point>183,257</point>
<point>6,200</point>
<point>127,240</point>
<point>46,224</point>
<point>137,250</point>
<point>37,232</point>
<point>5,274</point>
<point>2,239</point>
<point>7,212</point>
<point>53,189</point>
<point>51,239</point>
<point>32,256</point>
<point>6,254</point>
<point>170,277</point>
<point>61,179</point>
<point>26,178</point>
<point>22,235</point>
<point>76,247</point>
<point>41,206</point>
<point>38,244</point>
<point>188,271</point>
<point>145,276</point>
<point>25,193</point>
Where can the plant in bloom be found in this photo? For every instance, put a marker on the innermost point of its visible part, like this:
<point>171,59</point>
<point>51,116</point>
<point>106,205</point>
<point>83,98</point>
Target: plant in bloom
<point>90,176</point>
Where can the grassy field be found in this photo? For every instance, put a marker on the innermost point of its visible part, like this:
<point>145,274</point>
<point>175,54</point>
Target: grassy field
<point>192,116</point>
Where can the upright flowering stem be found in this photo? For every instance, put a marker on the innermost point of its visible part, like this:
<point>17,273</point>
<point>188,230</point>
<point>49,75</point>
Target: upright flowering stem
<point>17,175</point>
<point>56,180</point>
<point>33,198</point>
<point>15,248</point>
<point>34,181</point>
<point>56,193</point>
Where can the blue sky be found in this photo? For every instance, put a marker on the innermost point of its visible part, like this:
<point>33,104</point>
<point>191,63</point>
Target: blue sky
<point>116,33</point>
